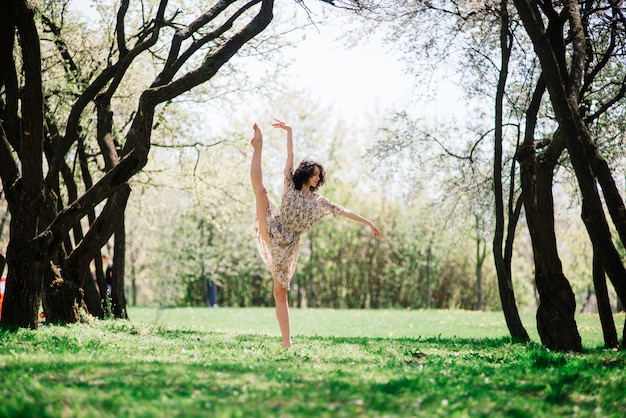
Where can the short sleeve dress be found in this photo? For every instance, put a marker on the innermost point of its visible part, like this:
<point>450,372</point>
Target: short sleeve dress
<point>298,213</point>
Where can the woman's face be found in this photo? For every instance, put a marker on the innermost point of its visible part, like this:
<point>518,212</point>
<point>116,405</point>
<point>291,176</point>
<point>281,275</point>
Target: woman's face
<point>315,178</point>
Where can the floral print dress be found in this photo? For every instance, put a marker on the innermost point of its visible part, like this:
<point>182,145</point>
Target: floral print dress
<point>298,213</point>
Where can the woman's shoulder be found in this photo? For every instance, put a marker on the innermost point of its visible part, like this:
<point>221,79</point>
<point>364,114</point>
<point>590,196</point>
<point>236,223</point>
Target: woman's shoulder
<point>320,198</point>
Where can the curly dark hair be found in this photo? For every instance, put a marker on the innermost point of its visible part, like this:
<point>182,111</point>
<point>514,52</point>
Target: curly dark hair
<point>305,171</point>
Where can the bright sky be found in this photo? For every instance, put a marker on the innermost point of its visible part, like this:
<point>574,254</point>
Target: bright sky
<point>361,85</point>
<point>365,79</point>
<point>360,79</point>
<point>355,81</point>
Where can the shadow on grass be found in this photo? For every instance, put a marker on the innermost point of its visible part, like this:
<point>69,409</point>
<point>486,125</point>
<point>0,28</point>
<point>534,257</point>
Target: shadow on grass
<point>454,341</point>
<point>197,373</point>
<point>306,387</point>
<point>157,370</point>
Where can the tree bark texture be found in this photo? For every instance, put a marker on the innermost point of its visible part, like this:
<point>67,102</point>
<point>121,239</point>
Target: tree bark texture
<point>557,306</point>
<point>118,296</point>
<point>26,256</point>
<point>555,315</point>
<point>604,305</point>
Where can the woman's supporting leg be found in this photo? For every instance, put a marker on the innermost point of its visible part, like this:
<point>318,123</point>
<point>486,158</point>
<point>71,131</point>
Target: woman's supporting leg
<point>282,313</point>
<point>256,175</point>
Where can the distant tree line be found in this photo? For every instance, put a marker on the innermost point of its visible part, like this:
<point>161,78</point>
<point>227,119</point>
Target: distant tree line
<point>340,266</point>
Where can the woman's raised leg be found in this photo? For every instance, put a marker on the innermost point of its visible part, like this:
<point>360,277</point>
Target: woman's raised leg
<point>256,175</point>
<point>282,313</point>
<point>262,203</point>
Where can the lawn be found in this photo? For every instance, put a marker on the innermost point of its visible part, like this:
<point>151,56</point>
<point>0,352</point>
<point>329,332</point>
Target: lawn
<point>356,323</point>
<point>227,362</point>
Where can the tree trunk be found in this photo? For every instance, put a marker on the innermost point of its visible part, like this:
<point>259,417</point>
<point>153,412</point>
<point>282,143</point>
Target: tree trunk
<point>480,258</point>
<point>3,221</point>
<point>25,254</point>
<point>118,297</point>
<point>505,284</point>
<point>557,306</point>
<point>101,281</point>
<point>555,315</point>
<point>97,303</point>
<point>604,305</point>
<point>22,293</point>
<point>580,146</point>
<point>76,266</point>
<point>3,263</point>
<point>93,304</point>
<point>60,302</point>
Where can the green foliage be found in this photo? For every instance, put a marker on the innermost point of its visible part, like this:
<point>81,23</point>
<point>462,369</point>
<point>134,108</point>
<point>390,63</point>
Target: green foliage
<point>201,251</point>
<point>341,266</point>
<point>118,368</point>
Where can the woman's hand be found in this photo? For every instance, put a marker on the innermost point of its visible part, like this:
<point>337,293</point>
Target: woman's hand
<point>375,230</point>
<point>356,217</point>
<point>281,125</point>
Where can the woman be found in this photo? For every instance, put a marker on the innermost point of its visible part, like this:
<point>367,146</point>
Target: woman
<point>277,233</point>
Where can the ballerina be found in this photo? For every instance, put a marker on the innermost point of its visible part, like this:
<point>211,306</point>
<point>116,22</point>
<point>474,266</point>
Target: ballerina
<point>277,233</point>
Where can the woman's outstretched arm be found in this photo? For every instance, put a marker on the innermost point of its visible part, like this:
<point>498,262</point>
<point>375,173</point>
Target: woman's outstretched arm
<point>287,128</point>
<point>356,217</point>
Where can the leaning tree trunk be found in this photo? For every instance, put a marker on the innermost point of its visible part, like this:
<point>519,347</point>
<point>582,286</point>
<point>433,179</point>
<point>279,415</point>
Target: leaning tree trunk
<point>505,283</point>
<point>555,315</point>
<point>91,296</point>
<point>584,154</point>
<point>76,267</point>
<point>96,299</point>
<point>580,147</point>
<point>557,306</point>
<point>604,305</point>
<point>556,324</point>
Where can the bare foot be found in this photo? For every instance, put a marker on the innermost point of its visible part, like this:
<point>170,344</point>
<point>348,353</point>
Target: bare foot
<point>257,139</point>
<point>286,344</point>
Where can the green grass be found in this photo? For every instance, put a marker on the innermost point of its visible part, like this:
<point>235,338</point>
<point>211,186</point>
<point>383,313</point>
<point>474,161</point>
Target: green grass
<point>227,363</point>
<point>357,323</point>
